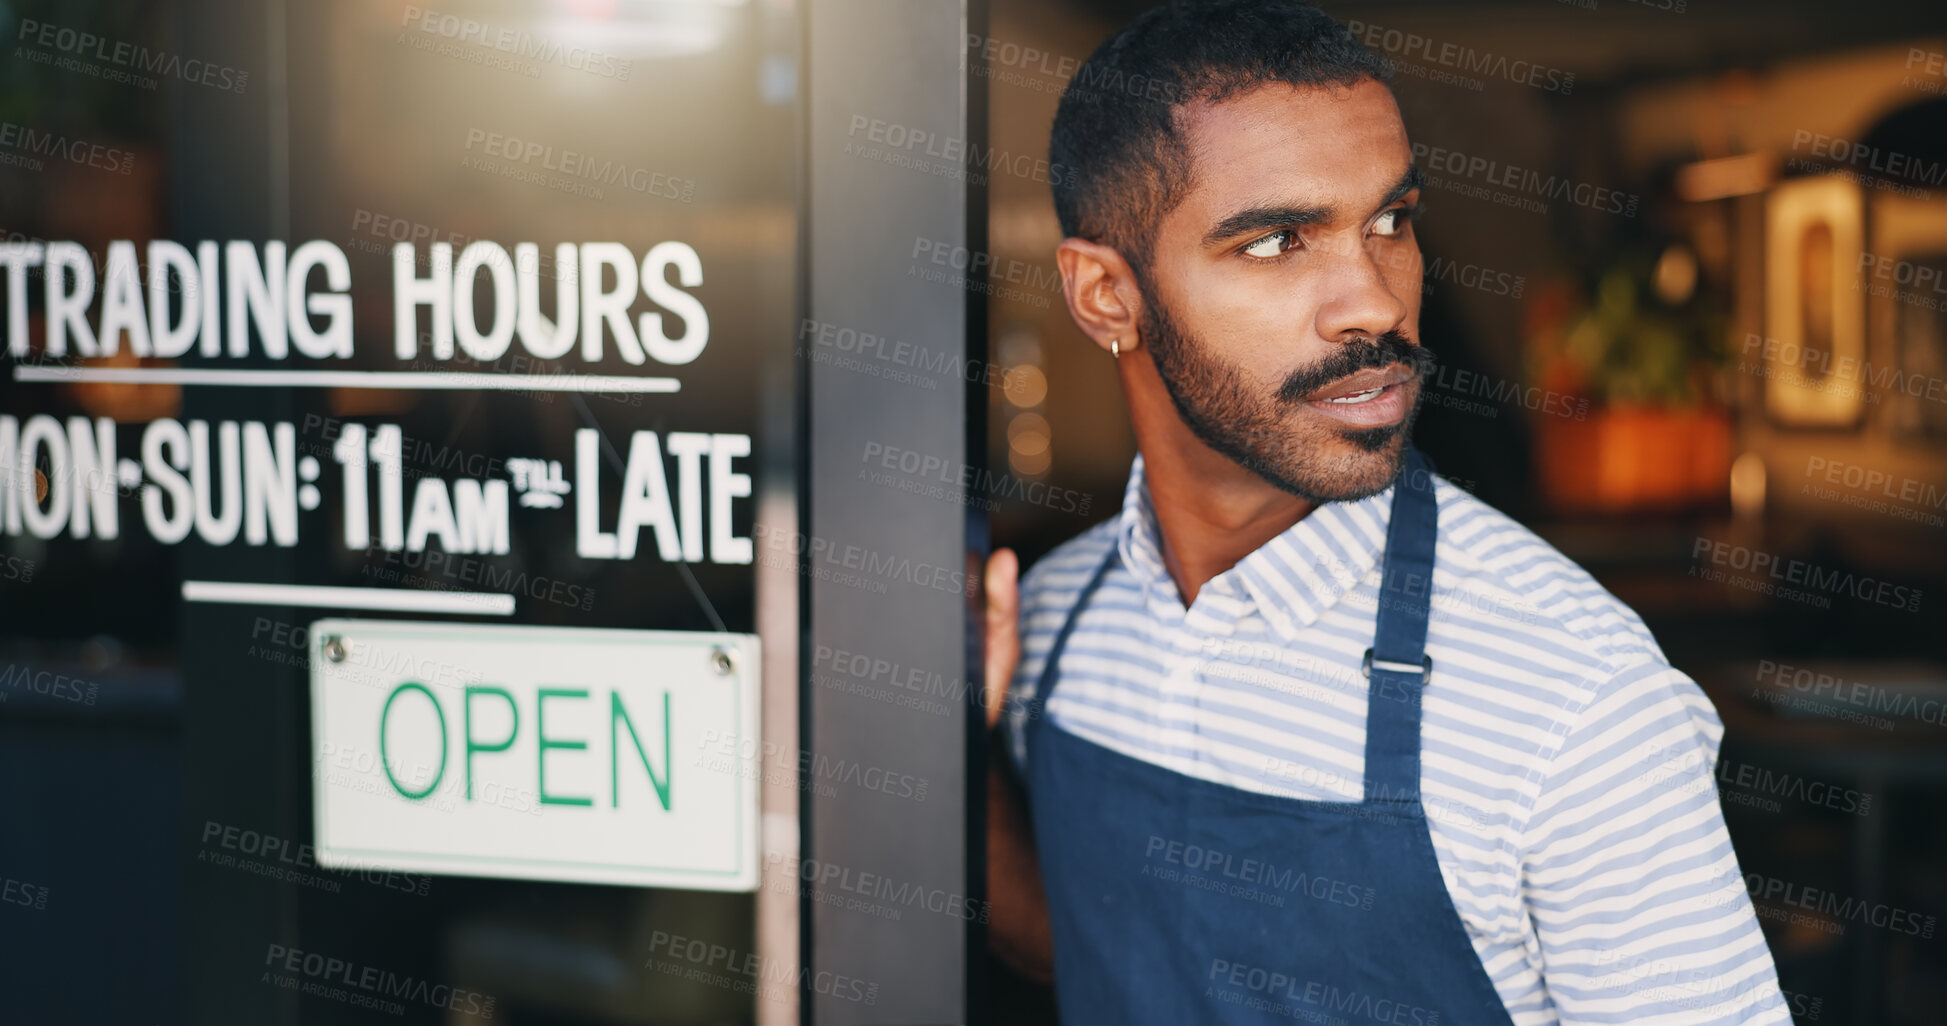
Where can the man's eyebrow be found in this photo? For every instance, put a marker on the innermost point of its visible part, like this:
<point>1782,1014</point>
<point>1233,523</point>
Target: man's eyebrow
<point>1414,178</point>
<point>1262,219</point>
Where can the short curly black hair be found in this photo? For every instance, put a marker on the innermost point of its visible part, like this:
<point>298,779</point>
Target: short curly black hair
<point>1116,130</point>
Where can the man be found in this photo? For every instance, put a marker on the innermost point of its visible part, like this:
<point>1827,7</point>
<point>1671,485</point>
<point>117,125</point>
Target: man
<point>1307,733</point>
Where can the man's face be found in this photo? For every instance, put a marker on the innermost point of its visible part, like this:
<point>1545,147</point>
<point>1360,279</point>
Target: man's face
<point>1282,301</point>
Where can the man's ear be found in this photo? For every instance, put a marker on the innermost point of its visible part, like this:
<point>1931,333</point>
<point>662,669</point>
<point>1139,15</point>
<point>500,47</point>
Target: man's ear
<point>1100,289</point>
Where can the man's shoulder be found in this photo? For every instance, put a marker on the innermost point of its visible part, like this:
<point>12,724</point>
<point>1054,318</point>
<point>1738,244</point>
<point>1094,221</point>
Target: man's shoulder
<point>1067,567</point>
<point>1518,576</point>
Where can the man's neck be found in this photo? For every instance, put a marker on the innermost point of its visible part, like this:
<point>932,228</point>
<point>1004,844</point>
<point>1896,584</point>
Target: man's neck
<point>1211,512</point>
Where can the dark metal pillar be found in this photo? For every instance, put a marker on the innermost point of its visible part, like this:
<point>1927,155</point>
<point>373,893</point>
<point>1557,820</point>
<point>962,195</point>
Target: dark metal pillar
<point>895,431</point>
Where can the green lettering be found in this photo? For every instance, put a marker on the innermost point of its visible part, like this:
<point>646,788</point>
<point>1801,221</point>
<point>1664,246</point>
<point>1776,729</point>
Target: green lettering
<point>620,716</point>
<point>474,746</point>
<point>386,760</point>
<point>541,751</point>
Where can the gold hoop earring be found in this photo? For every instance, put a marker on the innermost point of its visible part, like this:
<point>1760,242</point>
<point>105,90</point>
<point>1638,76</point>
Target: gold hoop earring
<point>1115,348</point>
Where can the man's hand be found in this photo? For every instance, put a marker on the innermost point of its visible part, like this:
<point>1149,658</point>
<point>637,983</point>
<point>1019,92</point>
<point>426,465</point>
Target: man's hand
<point>1003,629</point>
<point>1018,922</point>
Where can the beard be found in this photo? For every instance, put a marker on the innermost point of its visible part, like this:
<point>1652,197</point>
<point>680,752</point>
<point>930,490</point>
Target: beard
<point>1320,462</point>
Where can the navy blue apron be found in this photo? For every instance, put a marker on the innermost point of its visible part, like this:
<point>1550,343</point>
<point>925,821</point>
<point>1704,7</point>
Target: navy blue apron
<point>1178,901</point>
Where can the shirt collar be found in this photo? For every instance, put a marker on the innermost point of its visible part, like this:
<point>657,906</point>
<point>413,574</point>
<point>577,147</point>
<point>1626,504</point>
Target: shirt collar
<point>1291,579</point>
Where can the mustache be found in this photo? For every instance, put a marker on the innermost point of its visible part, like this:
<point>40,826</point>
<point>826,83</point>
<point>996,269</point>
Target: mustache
<point>1383,350</point>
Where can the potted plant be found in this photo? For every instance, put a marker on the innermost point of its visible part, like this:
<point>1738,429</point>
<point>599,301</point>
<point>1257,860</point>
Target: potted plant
<point>1648,353</point>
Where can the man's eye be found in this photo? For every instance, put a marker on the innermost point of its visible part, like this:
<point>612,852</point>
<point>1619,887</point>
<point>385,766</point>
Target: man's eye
<point>1391,222</point>
<point>1272,245</point>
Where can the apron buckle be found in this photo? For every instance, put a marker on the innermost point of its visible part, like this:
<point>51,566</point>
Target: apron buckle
<point>1424,670</point>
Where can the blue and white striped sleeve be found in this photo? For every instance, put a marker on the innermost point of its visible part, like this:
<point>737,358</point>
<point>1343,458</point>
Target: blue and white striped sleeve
<point>1027,671</point>
<point>1627,869</point>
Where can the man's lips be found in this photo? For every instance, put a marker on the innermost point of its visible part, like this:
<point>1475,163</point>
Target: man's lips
<point>1370,380</point>
<point>1370,398</point>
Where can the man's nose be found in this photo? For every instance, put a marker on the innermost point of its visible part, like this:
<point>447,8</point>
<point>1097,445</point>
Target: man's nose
<point>1359,298</point>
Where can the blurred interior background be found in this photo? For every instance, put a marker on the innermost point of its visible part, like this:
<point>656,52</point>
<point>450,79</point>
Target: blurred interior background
<point>1687,275</point>
<point>1685,286</point>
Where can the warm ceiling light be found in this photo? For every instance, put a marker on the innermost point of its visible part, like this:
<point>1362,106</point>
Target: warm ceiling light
<point>1676,274</point>
<point>1747,485</point>
<point>1725,177</point>
<point>1026,386</point>
<point>1030,464</point>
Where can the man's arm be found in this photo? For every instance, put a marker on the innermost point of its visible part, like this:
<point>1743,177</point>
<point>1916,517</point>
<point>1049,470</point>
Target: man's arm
<point>1017,926</point>
<point>1628,873</point>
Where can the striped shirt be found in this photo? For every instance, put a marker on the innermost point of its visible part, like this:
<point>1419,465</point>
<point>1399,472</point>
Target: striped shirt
<point>1566,768</point>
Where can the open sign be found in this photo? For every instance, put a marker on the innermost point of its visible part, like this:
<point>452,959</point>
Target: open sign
<point>548,753</point>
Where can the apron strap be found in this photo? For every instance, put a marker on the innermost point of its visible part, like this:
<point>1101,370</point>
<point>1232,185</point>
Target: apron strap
<point>1045,686</point>
<point>1397,664</point>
